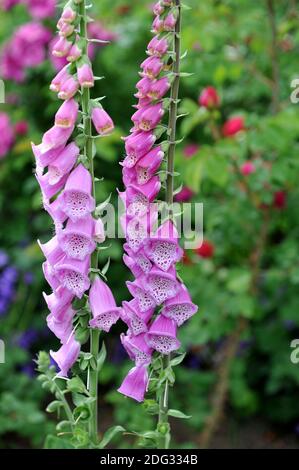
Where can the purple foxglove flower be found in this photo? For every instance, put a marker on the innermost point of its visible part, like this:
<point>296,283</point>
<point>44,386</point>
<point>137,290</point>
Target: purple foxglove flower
<point>135,383</point>
<point>140,258</point>
<point>44,157</point>
<point>135,319</point>
<point>146,119</point>
<point>76,200</point>
<point>65,29</point>
<point>56,137</point>
<point>99,231</point>
<point>162,285</point>
<point>138,229</point>
<point>68,89</point>
<point>73,275</point>
<point>61,77</point>
<point>53,209</point>
<point>47,188</point>
<point>74,53</point>
<point>162,335</point>
<point>103,307</point>
<point>52,251</point>
<point>142,103</point>
<point>138,290</point>
<point>169,22</point>
<point>58,302</point>
<point>163,248</point>
<point>66,115</point>
<point>159,88</point>
<point>158,25</point>
<point>66,356</point>
<point>158,9</point>
<point>132,265</point>
<point>180,308</point>
<point>129,175</point>
<point>102,121</point>
<point>50,275</point>
<point>157,47</point>
<point>61,329</point>
<point>143,87</point>
<point>137,198</point>
<point>61,47</point>
<point>63,163</point>
<point>76,240</point>
<point>85,76</point>
<point>68,15</point>
<point>137,145</point>
<point>147,166</point>
<point>137,348</point>
<point>152,67</point>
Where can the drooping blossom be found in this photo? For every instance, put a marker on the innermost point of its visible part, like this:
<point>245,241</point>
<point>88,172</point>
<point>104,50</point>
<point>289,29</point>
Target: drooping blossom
<point>160,303</point>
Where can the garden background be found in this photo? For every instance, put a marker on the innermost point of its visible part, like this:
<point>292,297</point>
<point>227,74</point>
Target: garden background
<point>239,158</point>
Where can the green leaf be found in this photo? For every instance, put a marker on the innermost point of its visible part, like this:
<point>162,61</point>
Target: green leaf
<point>109,435</point>
<point>178,414</point>
<point>54,406</point>
<point>76,385</point>
<point>177,360</point>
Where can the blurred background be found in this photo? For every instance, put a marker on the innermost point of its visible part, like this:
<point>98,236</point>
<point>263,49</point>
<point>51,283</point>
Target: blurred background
<point>239,157</point>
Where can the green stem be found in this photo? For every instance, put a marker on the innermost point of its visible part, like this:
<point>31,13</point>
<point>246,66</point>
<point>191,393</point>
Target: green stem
<point>88,152</point>
<point>66,406</point>
<point>173,111</point>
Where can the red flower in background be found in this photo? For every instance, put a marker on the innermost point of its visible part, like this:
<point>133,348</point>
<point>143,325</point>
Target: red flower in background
<point>190,150</point>
<point>184,195</point>
<point>206,249</point>
<point>279,199</point>
<point>209,98</point>
<point>21,128</point>
<point>232,126</point>
<point>247,168</point>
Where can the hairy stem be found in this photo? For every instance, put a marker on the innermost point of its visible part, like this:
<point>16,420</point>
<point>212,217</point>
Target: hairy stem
<point>88,152</point>
<point>173,109</point>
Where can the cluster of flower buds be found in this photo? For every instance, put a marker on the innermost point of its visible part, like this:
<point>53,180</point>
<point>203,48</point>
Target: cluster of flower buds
<point>66,185</point>
<point>151,254</point>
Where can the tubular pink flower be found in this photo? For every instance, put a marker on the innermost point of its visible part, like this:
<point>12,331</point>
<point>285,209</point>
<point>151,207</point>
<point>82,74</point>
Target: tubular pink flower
<point>49,189</point>
<point>99,231</point>
<point>76,240</point>
<point>63,163</point>
<point>76,200</point>
<point>158,8</point>
<point>134,318</point>
<point>59,302</point>
<point>52,251</point>
<point>158,25</point>
<point>140,258</point>
<point>169,22</point>
<point>50,275</point>
<point>55,212</point>
<point>85,76</point>
<point>44,157</point>
<point>69,15</point>
<point>66,115</point>
<point>68,89</point>
<point>61,329</point>
<point>137,198</point>
<point>163,248</point>
<point>61,47</point>
<point>146,119</point>
<point>74,53</point>
<point>137,348</point>
<point>102,121</point>
<point>147,166</point>
<point>55,138</point>
<point>73,275</point>
<point>161,285</point>
<point>65,29</point>
<point>137,145</point>
<point>162,335</point>
<point>157,47</point>
<point>152,67</point>
<point>135,383</point>
<point>180,308</point>
<point>60,79</point>
<point>143,87</point>
<point>159,88</point>
<point>66,356</point>
<point>103,307</point>
<point>144,298</point>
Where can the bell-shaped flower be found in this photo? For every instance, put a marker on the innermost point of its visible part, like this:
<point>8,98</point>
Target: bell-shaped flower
<point>44,157</point>
<point>52,251</point>
<point>158,8</point>
<point>61,47</point>
<point>56,137</point>
<point>69,14</point>
<point>169,22</point>
<point>140,259</point>
<point>66,356</point>
<point>63,163</point>
<point>85,76</point>
<point>137,198</point>
<point>162,285</point>
<point>68,89</point>
<point>50,275</point>
<point>58,302</point>
<point>137,348</point>
<point>62,329</point>
<point>137,145</point>
<point>152,67</point>
<point>103,307</point>
<point>62,76</point>
<point>101,121</point>
<point>147,166</point>
<point>99,231</point>
<point>135,319</point>
<point>76,240</point>
<point>143,87</point>
<point>135,383</point>
<point>138,229</point>
<point>157,47</point>
<point>158,25</point>
<point>163,247</point>
<point>147,118</point>
<point>158,88</point>
<point>74,53</point>
<point>144,298</point>
<point>76,200</point>
<point>55,212</point>
<point>73,275</point>
<point>180,307</point>
<point>66,115</point>
<point>162,335</point>
<point>47,188</point>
